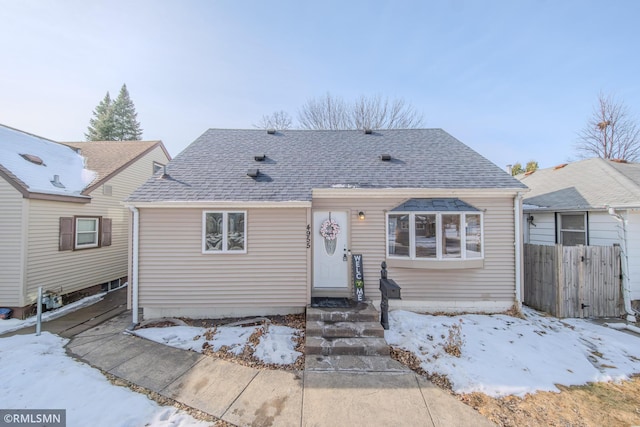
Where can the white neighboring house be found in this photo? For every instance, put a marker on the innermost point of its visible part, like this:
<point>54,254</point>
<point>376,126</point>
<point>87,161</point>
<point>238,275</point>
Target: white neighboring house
<point>590,202</point>
<point>63,225</point>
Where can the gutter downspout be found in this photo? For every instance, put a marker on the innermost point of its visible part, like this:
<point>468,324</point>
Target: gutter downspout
<point>134,267</point>
<point>517,209</point>
<point>626,292</point>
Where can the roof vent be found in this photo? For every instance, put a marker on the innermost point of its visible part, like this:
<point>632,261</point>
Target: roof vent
<point>618,160</point>
<point>385,157</point>
<point>33,159</point>
<point>253,173</point>
<point>271,131</point>
<point>560,166</point>
<point>56,181</point>
<point>259,157</point>
<point>368,131</point>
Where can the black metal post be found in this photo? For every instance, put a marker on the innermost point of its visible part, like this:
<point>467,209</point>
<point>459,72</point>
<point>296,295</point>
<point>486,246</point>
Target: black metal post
<point>384,302</point>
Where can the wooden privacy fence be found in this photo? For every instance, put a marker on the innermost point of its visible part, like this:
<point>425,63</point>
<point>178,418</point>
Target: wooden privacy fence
<point>573,281</point>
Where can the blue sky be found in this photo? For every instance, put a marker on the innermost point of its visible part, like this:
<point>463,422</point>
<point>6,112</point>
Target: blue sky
<point>514,80</point>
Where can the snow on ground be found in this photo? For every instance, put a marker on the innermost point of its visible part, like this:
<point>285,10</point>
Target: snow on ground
<point>9,325</point>
<point>503,355</point>
<point>277,343</point>
<point>37,374</point>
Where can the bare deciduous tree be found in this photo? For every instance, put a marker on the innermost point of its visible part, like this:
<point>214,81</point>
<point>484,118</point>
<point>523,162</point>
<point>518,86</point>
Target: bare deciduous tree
<point>278,120</point>
<point>378,113</point>
<point>610,133</point>
<point>324,113</point>
<point>333,113</point>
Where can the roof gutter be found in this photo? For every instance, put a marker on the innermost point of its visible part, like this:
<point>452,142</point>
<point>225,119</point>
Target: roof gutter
<point>134,266</point>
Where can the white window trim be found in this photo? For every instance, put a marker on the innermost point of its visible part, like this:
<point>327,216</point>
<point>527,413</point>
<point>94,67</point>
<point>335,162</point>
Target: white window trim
<point>561,230</point>
<point>225,225</point>
<point>439,257</point>
<point>156,167</point>
<point>97,233</point>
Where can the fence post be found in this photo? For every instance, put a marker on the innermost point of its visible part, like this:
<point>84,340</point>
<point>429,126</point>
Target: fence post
<point>559,281</point>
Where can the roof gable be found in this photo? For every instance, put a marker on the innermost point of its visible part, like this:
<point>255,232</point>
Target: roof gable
<point>108,158</point>
<point>583,185</point>
<point>214,167</point>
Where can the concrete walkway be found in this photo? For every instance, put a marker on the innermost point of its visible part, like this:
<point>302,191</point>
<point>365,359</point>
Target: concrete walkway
<point>251,397</point>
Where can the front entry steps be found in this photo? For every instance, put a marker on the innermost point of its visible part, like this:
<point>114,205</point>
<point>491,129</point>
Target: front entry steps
<point>347,339</point>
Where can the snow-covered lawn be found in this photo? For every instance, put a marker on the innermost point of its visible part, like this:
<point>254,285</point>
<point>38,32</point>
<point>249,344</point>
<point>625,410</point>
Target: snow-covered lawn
<point>37,374</point>
<point>503,355</point>
<point>276,344</point>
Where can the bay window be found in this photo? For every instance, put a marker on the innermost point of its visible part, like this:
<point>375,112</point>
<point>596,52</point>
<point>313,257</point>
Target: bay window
<point>434,235</point>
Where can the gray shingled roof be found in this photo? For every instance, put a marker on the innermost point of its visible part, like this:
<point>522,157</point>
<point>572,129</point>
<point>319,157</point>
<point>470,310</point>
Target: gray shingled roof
<point>430,205</point>
<point>584,185</point>
<point>214,167</point>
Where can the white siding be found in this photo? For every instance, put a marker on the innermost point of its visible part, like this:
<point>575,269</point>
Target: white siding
<point>11,241</point>
<point>493,282</point>
<point>70,271</point>
<point>633,250</point>
<point>175,274</point>
<point>544,230</point>
<point>604,230</point>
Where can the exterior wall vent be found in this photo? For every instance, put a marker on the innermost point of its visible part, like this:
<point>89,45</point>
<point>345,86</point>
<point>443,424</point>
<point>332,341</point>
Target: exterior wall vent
<point>253,173</point>
<point>368,131</point>
<point>259,157</point>
<point>56,181</point>
<point>271,131</point>
<point>33,159</point>
<point>385,157</point>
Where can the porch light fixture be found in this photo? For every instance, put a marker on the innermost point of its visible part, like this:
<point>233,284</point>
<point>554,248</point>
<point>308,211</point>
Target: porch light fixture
<point>361,215</point>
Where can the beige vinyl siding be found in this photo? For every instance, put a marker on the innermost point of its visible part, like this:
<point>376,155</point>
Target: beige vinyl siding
<point>173,271</point>
<point>11,242</point>
<point>494,282</point>
<point>69,271</point>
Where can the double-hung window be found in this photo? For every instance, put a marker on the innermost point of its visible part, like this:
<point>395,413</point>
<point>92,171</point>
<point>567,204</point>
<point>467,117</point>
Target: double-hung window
<point>572,229</point>
<point>451,234</point>
<point>84,232</point>
<point>224,232</point>
<point>87,232</point>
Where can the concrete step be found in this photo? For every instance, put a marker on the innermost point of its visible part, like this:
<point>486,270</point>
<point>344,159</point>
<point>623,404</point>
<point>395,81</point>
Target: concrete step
<point>354,364</point>
<point>317,328</point>
<point>361,313</point>
<point>346,346</point>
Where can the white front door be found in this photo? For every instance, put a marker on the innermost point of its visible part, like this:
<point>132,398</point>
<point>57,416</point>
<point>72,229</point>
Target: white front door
<point>330,249</point>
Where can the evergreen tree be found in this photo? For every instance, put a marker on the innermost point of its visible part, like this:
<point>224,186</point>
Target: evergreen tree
<point>101,126</point>
<point>127,127</point>
<point>115,120</point>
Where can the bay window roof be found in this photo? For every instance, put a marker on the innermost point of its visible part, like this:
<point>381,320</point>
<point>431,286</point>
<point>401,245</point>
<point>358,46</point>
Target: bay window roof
<point>435,205</point>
